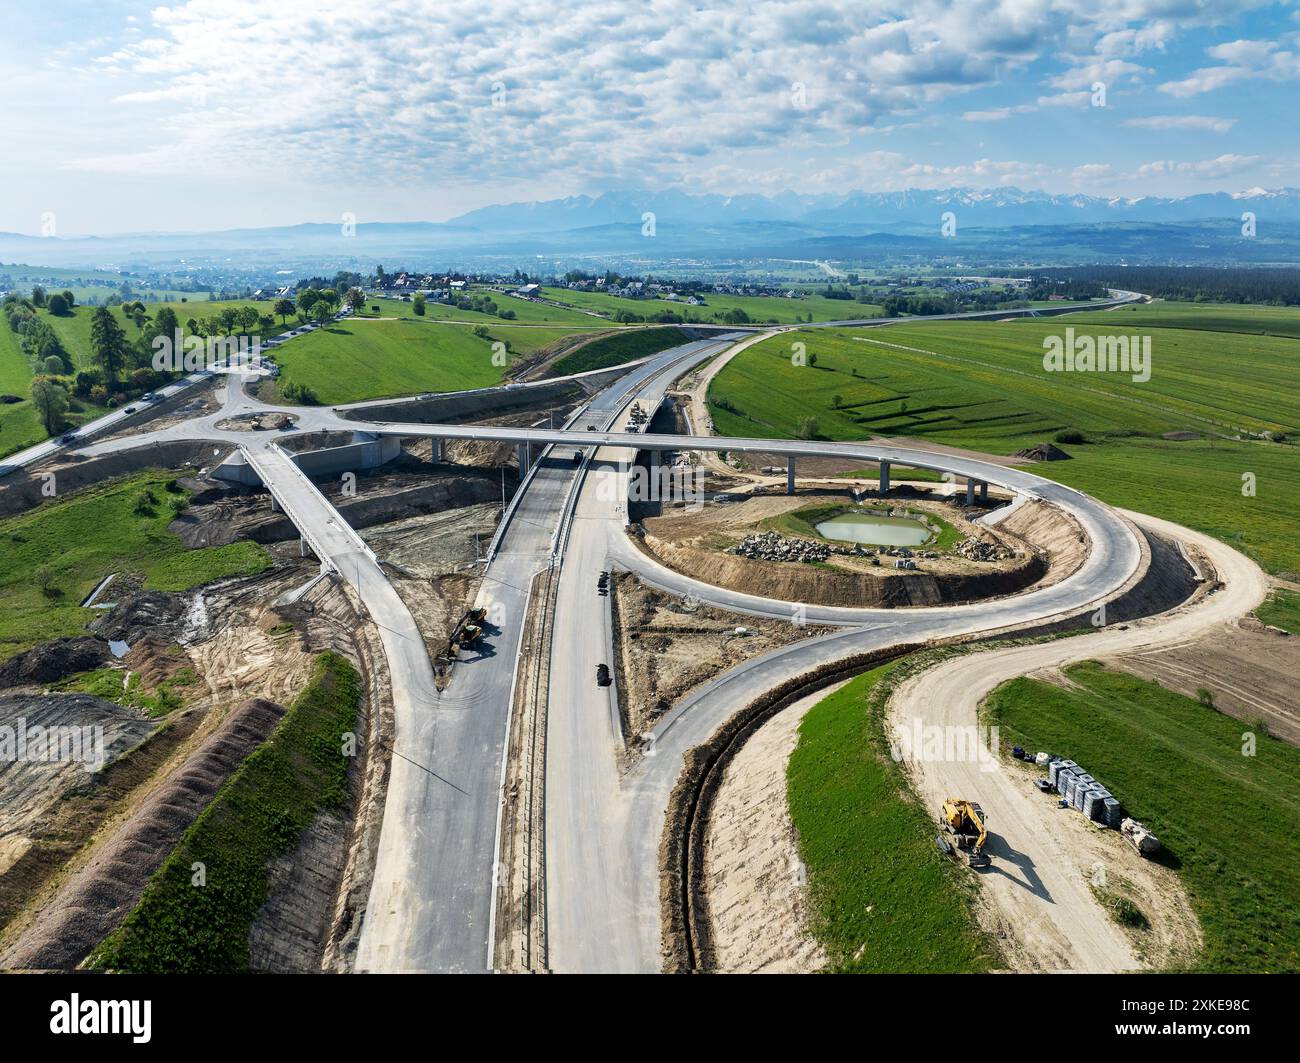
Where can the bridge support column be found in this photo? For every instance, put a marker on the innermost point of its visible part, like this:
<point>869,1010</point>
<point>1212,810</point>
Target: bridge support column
<point>789,475</point>
<point>440,451</point>
<point>275,506</point>
<point>523,452</point>
<point>884,478</point>
<point>970,492</point>
<point>984,492</point>
<point>302,546</point>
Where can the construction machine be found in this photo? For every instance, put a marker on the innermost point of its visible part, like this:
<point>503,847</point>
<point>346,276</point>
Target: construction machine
<point>968,825</point>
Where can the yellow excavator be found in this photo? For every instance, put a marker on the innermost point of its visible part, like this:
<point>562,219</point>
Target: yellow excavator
<point>968,825</point>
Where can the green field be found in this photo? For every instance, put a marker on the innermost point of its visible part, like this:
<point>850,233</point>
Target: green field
<point>761,309</point>
<point>1282,609</point>
<point>1229,821</point>
<point>258,815</point>
<point>71,544</point>
<point>981,385</point>
<point>355,360</point>
<point>616,349</point>
<point>74,328</point>
<point>884,899</point>
<point>526,311</point>
<point>1205,317</point>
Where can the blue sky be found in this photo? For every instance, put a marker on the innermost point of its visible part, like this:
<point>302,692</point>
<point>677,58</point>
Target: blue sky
<point>225,113</point>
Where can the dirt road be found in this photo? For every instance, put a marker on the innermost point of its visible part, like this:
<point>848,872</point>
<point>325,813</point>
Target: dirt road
<point>1038,881</point>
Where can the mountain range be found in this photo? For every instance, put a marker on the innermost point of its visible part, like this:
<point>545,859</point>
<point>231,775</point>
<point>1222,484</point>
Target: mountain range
<point>992,225</point>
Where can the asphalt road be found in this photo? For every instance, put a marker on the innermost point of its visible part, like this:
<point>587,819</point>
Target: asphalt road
<point>432,898</point>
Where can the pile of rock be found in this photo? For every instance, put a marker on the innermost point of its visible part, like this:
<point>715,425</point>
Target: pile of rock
<point>769,546</point>
<point>975,549</point>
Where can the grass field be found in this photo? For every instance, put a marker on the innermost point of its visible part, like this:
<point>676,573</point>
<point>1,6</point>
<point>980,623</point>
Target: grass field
<point>355,360</point>
<point>258,815</point>
<point>74,543</point>
<point>1228,820</point>
<point>616,349</point>
<point>74,329</point>
<point>1205,317</point>
<point>19,425</point>
<point>884,899</point>
<point>1282,609</point>
<point>981,385</point>
<point>526,312</point>
<point>761,309</point>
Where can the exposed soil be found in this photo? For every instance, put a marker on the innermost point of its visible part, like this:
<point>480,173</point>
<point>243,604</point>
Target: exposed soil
<point>1110,867</point>
<point>665,646</point>
<point>103,891</point>
<point>221,513</point>
<point>51,661</point>
<point>1250,670</point>
<point>698,544</point>
<point>755,880</point>
<point>86,851</point>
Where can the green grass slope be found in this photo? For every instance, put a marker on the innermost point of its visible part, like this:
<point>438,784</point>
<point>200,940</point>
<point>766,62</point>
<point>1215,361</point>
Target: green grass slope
<point>884,899</point>
<point>79,540</point>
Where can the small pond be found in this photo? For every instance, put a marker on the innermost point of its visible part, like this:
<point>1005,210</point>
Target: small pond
<point>874,529</point>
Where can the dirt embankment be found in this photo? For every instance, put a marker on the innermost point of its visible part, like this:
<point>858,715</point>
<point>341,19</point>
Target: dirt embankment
<point>697,544</point>
<point>103,891</point>
<point>21,491</point>
<point>87,855</point>
<point>665,646</point>
<point>755,880</point>
<point>221,513</point>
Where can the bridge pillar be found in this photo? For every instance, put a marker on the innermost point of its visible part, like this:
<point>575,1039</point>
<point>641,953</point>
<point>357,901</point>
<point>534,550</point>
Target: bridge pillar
<point>523,452</point>
<point>984,492</point>
<point>275,506</point>
<point>970,492</point>
<point>789,475</point>
<point>302,546</point>
<point>884,478</point>
<point>440,450</point>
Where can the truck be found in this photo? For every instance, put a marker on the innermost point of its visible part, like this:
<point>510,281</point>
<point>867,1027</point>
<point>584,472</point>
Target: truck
<point>968,825</point>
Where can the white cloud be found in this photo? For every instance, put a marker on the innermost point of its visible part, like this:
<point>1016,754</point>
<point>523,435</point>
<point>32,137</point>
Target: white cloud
<point>624,90</point>
<point>1222,166</point>
<point>1203,122</point>
<point>1241,60</point>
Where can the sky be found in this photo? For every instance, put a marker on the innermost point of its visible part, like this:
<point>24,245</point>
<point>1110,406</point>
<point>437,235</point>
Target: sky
<point>215,114</point>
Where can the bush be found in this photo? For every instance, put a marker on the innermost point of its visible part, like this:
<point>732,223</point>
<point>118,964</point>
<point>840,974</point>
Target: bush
<point>808,428</point>
<point>1069,435</point>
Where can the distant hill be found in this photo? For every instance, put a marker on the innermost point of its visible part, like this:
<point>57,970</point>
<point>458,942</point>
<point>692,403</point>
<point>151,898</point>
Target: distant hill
<point>992,225</point>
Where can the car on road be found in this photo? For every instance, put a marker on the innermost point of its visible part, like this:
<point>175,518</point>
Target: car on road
<point>602,675</point>
<point>129,409</point>
<point>68,437</point>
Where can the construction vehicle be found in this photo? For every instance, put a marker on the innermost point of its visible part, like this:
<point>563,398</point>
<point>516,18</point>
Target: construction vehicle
<point>468,631</point>
<point>968,825</point>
